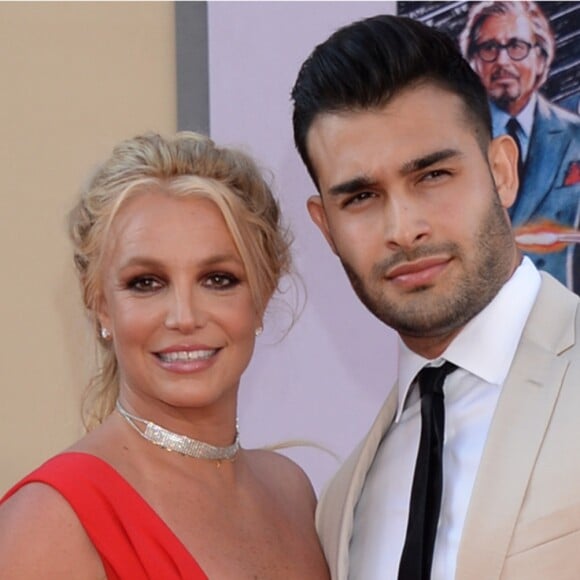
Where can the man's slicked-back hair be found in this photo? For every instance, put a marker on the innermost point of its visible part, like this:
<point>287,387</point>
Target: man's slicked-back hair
<point>363,65</point>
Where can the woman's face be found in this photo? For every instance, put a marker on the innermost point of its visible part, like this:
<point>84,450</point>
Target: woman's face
<point>177,302</point>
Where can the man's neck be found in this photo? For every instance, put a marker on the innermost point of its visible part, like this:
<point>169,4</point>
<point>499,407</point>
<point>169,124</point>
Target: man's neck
<point>430,347</point>
<point>514,108</point>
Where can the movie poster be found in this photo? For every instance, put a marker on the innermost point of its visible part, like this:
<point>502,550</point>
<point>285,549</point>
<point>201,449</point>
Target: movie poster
<point>528,57</point>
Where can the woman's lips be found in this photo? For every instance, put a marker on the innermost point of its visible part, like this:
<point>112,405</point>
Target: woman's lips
<point>186,359</point>
<point>186,355</point>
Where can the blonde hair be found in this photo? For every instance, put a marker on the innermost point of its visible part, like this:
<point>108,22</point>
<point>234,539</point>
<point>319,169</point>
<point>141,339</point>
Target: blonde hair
<point>188,164</point>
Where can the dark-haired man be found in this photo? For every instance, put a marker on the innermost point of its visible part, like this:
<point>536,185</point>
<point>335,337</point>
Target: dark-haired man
<point>471,468</point>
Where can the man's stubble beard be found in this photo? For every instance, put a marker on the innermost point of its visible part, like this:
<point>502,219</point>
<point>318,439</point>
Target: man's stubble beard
<point>485,272</point>
<point>504,101</point>
<point>503,97</point>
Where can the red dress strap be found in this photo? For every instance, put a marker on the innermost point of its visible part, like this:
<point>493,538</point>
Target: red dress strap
<point>133,541</point>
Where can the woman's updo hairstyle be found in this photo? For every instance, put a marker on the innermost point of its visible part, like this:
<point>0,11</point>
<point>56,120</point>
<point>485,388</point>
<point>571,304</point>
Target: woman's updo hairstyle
<point>187,164</point>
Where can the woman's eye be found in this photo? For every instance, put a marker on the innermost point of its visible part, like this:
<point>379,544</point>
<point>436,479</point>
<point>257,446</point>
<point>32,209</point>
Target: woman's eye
<point>221,281</point>
<point>144,284</point>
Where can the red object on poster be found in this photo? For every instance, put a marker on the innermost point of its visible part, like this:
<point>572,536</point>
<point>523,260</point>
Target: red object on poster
<point>572,174</point>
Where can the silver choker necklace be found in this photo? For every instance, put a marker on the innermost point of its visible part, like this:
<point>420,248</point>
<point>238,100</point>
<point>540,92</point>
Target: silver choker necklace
<point>181,443</point>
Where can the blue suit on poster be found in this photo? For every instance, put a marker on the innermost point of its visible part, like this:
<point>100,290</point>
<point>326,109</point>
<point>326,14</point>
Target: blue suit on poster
<point>550,189</point>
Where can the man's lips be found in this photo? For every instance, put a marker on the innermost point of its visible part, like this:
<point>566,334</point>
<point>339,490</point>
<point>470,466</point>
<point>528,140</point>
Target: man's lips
<point>419,272</point>
<point>503,75</point>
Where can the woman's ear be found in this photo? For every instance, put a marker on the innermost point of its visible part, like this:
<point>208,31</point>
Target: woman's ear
<point>102,314</point>
<point>503,162</point>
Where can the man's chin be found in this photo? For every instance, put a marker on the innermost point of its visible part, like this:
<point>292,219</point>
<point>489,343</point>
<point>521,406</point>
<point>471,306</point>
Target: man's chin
<point>502,99</point>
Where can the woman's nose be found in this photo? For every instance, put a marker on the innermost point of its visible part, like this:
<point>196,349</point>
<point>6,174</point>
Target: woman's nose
<point>185,311</point>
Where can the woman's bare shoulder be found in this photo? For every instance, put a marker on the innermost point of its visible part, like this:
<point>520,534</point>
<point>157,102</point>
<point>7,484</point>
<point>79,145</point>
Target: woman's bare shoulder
<point>283,474</point>
<point>41,537</point>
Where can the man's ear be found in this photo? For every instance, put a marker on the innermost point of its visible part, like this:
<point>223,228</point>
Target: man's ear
<point>503,162</point>
<point>318,216</point>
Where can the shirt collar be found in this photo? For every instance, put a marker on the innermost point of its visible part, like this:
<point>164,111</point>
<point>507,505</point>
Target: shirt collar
<point>525,118</point>
<point>484,347</point>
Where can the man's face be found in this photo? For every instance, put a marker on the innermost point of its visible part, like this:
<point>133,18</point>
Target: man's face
<point>408,204</point>
<point>509,83</point>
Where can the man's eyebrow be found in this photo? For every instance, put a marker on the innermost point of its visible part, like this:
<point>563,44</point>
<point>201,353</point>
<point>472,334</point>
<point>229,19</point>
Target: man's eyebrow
<point>352,185</point>
<point>361,182</point>
<point>426,161</point>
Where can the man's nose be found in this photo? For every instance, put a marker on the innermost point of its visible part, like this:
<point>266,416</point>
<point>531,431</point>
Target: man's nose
<point>503,57</point>
<point>406,225</point>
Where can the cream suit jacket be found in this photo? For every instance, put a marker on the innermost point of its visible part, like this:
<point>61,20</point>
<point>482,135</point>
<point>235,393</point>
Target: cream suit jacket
<point>523,520</point>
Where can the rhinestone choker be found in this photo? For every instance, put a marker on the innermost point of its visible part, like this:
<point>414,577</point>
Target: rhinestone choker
<point>181,443</point>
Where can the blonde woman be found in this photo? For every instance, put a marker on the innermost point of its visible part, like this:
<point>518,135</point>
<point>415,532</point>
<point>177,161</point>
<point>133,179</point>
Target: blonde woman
<point>179,248</point>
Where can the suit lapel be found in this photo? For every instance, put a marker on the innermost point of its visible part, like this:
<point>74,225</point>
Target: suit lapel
<point>548,144</point>
<point>516,433</point>
<point>346,489</point>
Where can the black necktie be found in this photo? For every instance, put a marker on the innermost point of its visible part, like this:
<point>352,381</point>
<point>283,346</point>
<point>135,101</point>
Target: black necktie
<point>425,502</point>
<point>513,127</point>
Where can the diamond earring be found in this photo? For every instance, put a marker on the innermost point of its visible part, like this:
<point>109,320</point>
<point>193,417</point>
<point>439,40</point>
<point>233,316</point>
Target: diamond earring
<point>259,330</point>
<point>105,333</point>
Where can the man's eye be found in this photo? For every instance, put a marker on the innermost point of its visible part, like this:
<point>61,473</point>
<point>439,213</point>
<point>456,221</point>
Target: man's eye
<point>517,43</point>
<point>221,280</point>
<point>489,45</point>
<point>144,284</point>
<point>358,198</point>
<point>436,174</point>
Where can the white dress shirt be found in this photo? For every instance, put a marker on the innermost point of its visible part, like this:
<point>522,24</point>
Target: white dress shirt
<point>525,119</point>
<point>483,352</point>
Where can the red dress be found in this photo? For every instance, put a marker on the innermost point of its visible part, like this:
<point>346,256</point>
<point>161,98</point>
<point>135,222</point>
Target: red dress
<point>132,540</point>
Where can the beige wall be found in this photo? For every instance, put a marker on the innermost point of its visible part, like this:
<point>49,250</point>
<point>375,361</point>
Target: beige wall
<point>75,79</point>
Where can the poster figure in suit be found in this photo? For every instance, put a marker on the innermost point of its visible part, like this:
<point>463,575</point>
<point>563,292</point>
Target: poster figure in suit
<point>511,46</point>
<point>547,77</point>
